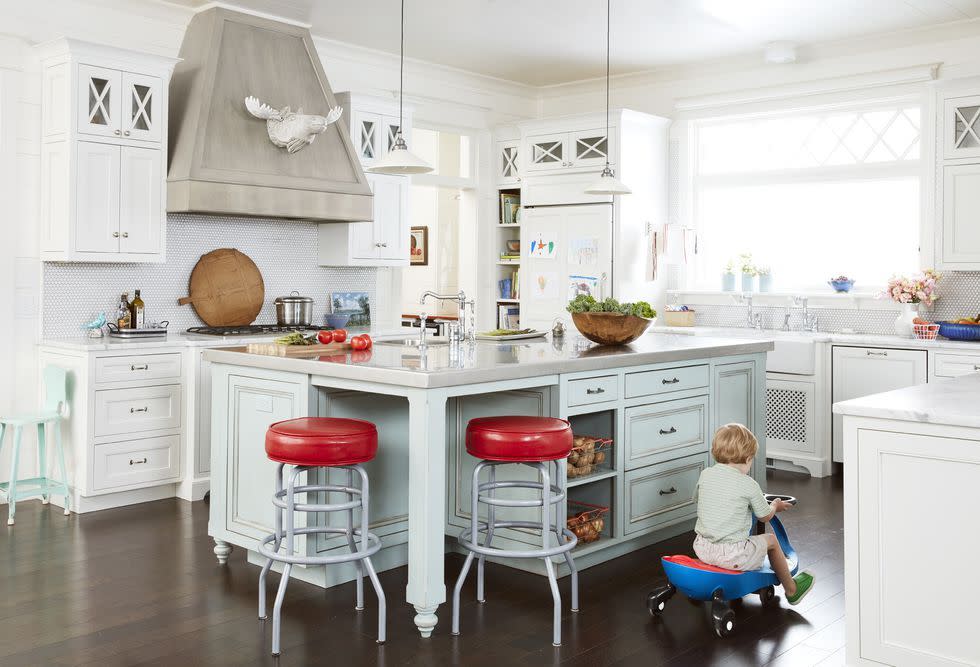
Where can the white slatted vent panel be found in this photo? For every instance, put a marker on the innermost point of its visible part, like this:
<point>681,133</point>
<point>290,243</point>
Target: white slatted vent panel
<point>786,415</point>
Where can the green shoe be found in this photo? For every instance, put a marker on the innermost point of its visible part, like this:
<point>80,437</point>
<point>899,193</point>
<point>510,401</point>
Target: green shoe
<point>804,582</point>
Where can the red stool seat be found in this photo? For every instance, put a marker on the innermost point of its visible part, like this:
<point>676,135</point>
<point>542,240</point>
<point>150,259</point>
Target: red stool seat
<point>518,439</point>
<point>321,441</point>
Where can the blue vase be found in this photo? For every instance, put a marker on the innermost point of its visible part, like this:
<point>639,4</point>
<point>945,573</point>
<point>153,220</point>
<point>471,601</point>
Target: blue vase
<point>728,282</point>
<point>748,282</point>
<point>765,282</point>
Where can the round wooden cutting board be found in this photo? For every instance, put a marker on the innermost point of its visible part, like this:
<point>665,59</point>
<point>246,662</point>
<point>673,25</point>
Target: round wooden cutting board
<point>226,289</point>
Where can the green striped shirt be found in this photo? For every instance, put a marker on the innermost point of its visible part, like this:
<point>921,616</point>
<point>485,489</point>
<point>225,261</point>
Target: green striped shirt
<point>726,500</point>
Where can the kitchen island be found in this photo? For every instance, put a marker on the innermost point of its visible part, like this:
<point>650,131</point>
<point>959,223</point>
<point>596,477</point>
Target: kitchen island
<point>911,489</point>
<point>657,400</point>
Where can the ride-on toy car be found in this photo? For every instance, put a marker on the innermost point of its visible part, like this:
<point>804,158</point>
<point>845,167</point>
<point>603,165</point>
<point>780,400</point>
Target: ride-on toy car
<point>700,581</point>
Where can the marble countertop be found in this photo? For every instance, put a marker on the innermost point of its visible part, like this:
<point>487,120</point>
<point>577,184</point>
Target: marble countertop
<point>876,340</point>
<point>487,361</point>
<point>950,402</point>
<point>171,340</point>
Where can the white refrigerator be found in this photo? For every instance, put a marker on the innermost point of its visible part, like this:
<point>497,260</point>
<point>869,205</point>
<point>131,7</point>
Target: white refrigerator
<point>567,250</point>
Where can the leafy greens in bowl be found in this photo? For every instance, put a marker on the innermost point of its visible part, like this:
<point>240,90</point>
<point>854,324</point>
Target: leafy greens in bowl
<point>584,303</point>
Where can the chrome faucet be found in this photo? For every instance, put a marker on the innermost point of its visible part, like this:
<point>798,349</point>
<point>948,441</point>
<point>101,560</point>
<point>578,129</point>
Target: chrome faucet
<point>423,316</point>
<point>754,318</point>
<point>457,333</point>
<point>786,316</point>
<point>809,319</point>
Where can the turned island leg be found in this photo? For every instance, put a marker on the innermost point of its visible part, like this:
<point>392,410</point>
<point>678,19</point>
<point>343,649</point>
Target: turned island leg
<point>426,506</point>
<point>222,550</point>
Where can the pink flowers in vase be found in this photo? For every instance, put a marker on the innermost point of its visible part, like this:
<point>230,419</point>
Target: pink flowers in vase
<point>920,288</point>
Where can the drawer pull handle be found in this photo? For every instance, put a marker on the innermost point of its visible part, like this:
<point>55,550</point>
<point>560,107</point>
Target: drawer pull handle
<point>671,381</point>
<point>134,462</point>
<point>143,409</point>
<point>668,431</point>
<point>143,367</point>
<point>877,354</point>
<point>667,493</point>
<point>597,390</point>
<point>976,367</point>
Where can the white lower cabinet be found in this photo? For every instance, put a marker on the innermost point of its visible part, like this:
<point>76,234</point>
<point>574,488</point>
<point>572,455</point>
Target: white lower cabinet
<point>134,462</point>
<point>953,364</point>
<point>911,493</point>
<point>862,371</point>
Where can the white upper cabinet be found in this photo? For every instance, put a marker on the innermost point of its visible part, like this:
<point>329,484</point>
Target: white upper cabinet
<point>556,152</point>
<point>961,128</point>
<point>508,162</point>
<point>958,194</point>
<point>103,153</point>
<point>373,125</point>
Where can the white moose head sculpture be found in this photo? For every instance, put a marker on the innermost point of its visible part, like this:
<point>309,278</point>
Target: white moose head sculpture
<point>292,130</point>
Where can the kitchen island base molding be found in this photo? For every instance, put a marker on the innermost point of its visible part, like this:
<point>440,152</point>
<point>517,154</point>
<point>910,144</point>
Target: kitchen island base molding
<point>421,401</point>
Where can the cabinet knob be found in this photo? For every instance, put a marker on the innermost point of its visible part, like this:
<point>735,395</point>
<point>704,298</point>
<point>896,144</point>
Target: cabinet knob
<point>377,245</point>
<point>125,235</point>
<point>384,245</point>
<point>115,235</point>
<point>126,133</point>
<point>117,133</point>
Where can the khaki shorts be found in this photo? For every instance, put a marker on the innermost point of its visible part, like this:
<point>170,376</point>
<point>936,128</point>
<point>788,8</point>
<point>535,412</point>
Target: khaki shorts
<point>749,554</point>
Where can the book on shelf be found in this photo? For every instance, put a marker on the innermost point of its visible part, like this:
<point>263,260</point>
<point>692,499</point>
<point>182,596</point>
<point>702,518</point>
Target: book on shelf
<point>516,284</point>
<point>508,317</point>
<point>509,257</point>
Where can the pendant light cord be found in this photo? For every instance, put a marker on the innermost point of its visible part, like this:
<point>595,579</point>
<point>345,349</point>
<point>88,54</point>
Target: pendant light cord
<point>401,78</point>
<point>607,81</point>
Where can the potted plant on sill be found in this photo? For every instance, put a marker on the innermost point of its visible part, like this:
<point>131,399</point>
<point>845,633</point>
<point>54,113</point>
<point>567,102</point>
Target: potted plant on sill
<point>728,277</point>
<point>765,278</point>
<point>748,272</point>
<point>910,292</point>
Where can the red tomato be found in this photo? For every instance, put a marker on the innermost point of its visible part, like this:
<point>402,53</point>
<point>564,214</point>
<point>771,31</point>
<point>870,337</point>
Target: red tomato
<point>358,343</point>
<point>360,356</point>
<point>367,339</point>
<point>324,337</point>
<point>339,335</point>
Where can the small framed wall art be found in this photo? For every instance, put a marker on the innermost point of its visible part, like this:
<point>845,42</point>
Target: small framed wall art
<point>419,247</point>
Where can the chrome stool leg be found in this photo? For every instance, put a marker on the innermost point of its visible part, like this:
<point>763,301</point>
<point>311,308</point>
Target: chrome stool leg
<point>365,548</point>
<point>278,542</point>
<point>572,570</point>
<point>288,568</point>
<point>474,532</point>
<point>546,545</point>
<point>359,605</point>
<point>491,520</point>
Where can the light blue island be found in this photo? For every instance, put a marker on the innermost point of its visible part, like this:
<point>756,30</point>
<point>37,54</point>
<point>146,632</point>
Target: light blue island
<point>658,400</point>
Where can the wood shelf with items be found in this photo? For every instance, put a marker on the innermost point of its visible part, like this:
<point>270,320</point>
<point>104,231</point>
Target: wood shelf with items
<point>507,258</point>
<point>592,457</point>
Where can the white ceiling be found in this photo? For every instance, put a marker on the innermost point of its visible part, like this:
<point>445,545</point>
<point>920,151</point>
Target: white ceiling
<point>541,42</point>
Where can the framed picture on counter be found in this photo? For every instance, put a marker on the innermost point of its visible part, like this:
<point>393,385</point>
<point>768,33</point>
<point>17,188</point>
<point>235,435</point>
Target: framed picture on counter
<point>355,304</point>
<point>418,254</point>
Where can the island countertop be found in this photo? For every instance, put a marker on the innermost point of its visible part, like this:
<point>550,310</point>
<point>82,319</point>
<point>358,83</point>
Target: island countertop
<point>487,361</point>
<point>951,402</point>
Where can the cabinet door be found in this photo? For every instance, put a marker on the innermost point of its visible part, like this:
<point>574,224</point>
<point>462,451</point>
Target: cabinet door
<point>140,200</point>
<point>390,127</point>
<point>366,131</point>
<point>363,235</point>
<point>589,148</point>
<point>961,216</point>
<point>390,216</point>
<point>790,416</point>
<point>99,101</point>
<point>862,371</point>
<point>508,162</point>
<point>736,399</point>
<point>547,152</point>
<point>961,128</point>
<point>142,112</point>
<point>97,198</point>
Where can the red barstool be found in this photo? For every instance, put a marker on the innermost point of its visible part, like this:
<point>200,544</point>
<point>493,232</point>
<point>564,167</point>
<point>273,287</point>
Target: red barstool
<point>540,443</point>
<point>320,442</point>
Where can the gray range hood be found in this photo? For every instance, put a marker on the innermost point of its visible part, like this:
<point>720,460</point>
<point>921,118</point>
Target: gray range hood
<point>222,161</point>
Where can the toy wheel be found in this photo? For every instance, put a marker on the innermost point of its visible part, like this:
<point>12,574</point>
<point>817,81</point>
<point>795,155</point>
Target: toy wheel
<point>723,617</point>
<point>767,595</point>
<point>657,600</point>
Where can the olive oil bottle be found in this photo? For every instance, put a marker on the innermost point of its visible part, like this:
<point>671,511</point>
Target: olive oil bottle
<point>124,318</point>
<point>136,312</point>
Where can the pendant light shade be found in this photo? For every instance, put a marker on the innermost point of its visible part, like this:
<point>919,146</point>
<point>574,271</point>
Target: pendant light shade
<point>399,160</point>
<point>607,183</point>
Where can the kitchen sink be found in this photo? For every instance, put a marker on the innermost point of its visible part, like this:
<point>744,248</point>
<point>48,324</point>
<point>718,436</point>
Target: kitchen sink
<point>794,352</point>
<point>431,341</point>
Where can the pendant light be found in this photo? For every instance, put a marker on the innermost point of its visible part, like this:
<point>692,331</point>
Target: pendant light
<point>607,183</point>
<point>399,160</point>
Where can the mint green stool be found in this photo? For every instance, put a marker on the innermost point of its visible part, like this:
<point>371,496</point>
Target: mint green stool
<point>55,403</point>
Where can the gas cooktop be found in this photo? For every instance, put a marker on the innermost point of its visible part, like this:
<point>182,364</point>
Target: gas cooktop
<point>251,329</point>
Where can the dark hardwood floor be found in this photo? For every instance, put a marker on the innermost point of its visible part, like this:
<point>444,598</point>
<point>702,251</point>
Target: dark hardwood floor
<point>140,586</point>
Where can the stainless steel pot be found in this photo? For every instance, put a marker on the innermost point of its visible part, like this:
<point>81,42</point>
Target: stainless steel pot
<point>294,310</point>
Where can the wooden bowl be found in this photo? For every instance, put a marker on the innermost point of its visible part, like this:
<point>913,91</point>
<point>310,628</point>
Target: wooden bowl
<point>610,328</point>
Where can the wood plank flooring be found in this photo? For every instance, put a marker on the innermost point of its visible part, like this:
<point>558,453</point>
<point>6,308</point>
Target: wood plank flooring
<point>140,586</point>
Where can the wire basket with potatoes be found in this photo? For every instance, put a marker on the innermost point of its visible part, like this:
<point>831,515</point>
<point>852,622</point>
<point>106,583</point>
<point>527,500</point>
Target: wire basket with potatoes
<point>586,520</point>
<point>589,454</point>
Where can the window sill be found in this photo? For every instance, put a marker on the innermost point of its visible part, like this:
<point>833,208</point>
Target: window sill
<point>816,299</point>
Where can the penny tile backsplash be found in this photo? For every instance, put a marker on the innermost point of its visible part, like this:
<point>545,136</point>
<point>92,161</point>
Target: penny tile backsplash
<point>284,251</point>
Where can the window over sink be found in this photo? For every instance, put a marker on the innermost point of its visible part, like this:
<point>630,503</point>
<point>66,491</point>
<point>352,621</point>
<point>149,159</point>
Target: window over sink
<point>809,193</point>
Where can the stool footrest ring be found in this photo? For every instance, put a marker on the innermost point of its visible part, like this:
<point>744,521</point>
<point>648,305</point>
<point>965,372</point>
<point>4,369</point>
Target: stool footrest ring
<point>374,546</point>
<point>464,541</point>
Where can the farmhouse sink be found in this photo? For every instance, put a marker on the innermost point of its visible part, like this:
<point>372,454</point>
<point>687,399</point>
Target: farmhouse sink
<point>795,352</point>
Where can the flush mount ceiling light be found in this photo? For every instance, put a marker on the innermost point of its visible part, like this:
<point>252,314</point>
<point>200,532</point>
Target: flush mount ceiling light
<point>607,183</point>
<point>400,160</point>
<point>780,53</point>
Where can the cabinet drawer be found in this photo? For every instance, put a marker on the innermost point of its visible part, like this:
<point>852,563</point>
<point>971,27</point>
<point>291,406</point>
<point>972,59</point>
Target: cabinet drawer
<point>147,461</point>
<point>593,390</point>
<point>663,493</point>
<point>955,365</point>
<point>664,431</point>
<point>138,367</point>
<point>649,383</point>
<point>134,410</point>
